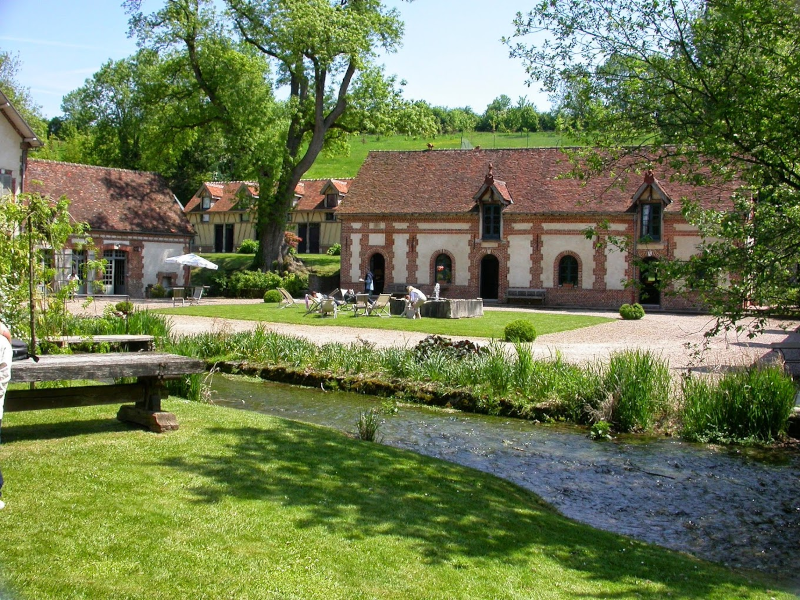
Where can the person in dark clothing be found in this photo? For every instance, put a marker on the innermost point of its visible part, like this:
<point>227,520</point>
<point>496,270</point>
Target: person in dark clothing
<point>368,282</point>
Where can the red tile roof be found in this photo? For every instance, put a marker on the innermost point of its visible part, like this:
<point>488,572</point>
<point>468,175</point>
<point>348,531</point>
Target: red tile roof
<point>224,195</point>
<point>445,181</point>
<point>110,199</point>
<point>313,196</point>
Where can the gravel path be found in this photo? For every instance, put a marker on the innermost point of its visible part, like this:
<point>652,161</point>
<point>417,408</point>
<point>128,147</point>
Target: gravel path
<point>676,337</point>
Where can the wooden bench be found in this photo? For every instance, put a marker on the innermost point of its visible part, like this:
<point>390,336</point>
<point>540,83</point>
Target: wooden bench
<point>536,296</point>
<point>117,343</point>
<point>150,369</point>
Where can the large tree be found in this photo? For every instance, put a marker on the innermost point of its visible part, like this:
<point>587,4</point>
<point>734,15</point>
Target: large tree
<point>711,88</point>
<point>318,49</point>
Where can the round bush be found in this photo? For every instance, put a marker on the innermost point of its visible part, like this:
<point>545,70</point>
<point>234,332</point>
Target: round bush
<point>335,250</point>
<point>631,312</point>
<point>272,296</point>
<point>520,331</point>
<point>124,307</point>
<point>248,247</point>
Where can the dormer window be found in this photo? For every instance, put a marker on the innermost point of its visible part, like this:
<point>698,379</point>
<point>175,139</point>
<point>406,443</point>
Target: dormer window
<point>331,200</point>
<point>206,202</point>
<point>491,225</point>
<point>650,222</point>
<point>491,198</point>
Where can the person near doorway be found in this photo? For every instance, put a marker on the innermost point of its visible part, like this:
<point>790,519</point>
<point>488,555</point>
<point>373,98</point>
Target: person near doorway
<point>74,282</point>
<point>6,356</point>
<point>368,282</point>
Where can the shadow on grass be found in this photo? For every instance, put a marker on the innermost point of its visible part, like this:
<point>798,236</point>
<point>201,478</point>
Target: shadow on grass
<point>360,490</point>
<point>61,429</point>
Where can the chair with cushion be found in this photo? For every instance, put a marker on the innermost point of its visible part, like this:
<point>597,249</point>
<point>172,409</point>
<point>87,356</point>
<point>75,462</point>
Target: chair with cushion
<point>286,299</point>
<point>380,308</point>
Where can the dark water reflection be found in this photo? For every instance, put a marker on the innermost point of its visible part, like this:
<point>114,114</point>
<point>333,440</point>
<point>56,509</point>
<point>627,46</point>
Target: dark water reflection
<point>738,507</point>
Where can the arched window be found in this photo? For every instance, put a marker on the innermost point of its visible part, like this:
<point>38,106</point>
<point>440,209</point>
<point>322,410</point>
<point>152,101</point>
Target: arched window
<point>444,269</point>
<point>568,270</point>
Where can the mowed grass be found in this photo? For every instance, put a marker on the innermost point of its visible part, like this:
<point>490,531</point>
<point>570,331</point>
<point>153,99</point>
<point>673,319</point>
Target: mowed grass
<point>341,165</point>
<point>241,505</point>
<point>490,325</point>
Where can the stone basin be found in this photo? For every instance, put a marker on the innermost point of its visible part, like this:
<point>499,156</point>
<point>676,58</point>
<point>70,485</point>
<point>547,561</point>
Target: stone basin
<point>443,308</point>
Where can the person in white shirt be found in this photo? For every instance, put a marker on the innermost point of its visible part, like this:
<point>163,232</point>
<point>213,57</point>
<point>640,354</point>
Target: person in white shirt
<point>6,356</point>
<point>415,300</point>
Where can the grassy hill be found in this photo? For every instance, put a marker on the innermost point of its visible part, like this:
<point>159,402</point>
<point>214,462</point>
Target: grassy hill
<point>360,146</point>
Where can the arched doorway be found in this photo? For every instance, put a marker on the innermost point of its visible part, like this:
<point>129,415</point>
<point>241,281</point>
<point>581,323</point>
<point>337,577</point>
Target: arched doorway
<point>649,292</point>
<point>490,277</point>
<point>377,264</point>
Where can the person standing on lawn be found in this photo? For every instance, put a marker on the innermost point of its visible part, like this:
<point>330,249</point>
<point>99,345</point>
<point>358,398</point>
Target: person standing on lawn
<point>6,356</point>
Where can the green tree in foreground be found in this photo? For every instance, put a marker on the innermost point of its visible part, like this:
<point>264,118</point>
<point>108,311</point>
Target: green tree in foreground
<point>711,89</point>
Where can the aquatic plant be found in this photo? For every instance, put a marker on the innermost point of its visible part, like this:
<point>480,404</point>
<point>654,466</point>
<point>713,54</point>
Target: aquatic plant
<point>743,406</point>
<point>368,424</point>
<point>638,387</point>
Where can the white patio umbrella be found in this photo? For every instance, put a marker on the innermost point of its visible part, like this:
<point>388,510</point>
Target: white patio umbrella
<point>192,260</point>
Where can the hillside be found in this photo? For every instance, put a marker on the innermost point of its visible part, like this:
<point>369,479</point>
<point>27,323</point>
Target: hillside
<point>360,146</point>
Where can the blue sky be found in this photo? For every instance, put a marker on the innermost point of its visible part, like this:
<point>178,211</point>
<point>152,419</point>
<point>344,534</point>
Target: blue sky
<point>451,55</point>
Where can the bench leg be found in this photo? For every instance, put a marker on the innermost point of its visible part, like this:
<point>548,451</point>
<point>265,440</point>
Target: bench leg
<point>147,411</point>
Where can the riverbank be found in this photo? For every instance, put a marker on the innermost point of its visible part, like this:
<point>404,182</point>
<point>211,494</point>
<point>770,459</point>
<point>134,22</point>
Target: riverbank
<point>675,337</point>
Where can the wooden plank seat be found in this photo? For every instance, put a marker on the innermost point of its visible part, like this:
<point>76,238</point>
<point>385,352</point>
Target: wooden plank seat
<point>117,343</point>
<point>536,296</point>
<point>150,369</point>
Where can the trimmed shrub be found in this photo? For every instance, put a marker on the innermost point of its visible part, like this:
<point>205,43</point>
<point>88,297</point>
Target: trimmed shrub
<point>272,296</point>
<point>335,250</point>
<point>248,247</point>
<point>124,307</point>
<point>743,406</point>
<point>519,331</point>
<point>158,291</point>
<point>631,312</point>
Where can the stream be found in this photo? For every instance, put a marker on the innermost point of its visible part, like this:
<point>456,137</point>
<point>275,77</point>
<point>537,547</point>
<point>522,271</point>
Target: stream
<point>731,505</point>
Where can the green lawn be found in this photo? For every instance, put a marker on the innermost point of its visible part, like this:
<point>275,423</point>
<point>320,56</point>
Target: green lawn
<point>245,506</point>
<point>491,325</point>
<point>360,146</point>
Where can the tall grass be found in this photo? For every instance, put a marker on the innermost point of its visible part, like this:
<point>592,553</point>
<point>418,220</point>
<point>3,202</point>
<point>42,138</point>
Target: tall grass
<point>746,405</point>
<point>638,387</point>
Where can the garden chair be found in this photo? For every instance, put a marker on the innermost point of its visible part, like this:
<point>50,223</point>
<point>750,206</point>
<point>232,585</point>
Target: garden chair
<point>197,293</point>
<point>362,305</point>
<point>380,307</point>
<point>286,299</point>
<point>313,303</point>
<point>328,306</point>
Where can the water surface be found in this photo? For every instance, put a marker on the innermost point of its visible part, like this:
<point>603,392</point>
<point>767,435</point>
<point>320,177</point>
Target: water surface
<point>734,506</point>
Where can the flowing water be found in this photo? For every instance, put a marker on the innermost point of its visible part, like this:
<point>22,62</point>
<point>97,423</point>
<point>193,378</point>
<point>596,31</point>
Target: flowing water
<point>734,506</point>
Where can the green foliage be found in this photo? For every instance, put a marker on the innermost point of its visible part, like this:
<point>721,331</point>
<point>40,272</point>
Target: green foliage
<point>743,406</point>
<point>638,387</point>
<point>272,296</point>
<point>709,89</point>
<point>252,284</point>
<point>124,307</point>
<point>368,425</point>
<point>248,247</point>
<point>158,291</point>
<point>600,431</point>
<point>631,312</point>
<point>335,250</point>
<point>519,331</point>
<point>32,221</point>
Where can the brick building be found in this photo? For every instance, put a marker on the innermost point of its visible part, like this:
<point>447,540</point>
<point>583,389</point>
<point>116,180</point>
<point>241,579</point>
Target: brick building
<point>500,224</point>
<point>135,224</point>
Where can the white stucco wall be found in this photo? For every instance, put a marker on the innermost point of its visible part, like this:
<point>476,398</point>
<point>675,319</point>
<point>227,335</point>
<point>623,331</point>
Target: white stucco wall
<point>519,264</point>
<point>615,268</point>
<point>456,244</point>
<point>153,256</point>
<point>10,153</point>
<point>686,246</point>
<point>355,253</point>
<point>400,264</point>
<point>555,244</point>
